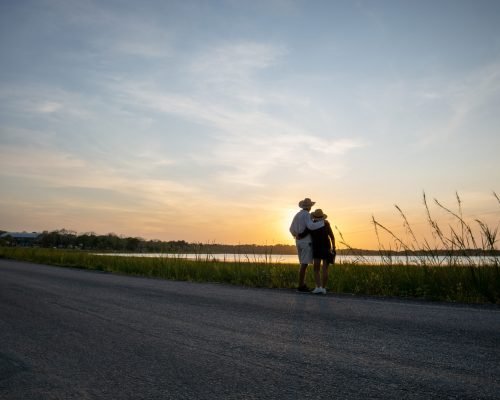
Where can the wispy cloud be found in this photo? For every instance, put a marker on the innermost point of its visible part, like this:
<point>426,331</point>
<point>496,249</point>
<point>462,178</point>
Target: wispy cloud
<point>236,61</point>
<point>248,138</point>
<point>48,107</point>
<point>103,33</point>
<point>25,99</point>
<point>53,169</point>
<point>460,101</point>
<point>248,144</point>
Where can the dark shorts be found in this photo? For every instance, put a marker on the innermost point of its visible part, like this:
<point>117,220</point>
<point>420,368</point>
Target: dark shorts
<point>327,255</point>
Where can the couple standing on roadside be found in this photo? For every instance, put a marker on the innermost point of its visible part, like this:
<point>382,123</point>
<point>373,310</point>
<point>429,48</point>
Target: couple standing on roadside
<point>315,244</point>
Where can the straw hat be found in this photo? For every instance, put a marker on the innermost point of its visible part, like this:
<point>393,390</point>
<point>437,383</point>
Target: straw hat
<point>306,203</point>
<point>318,214</point>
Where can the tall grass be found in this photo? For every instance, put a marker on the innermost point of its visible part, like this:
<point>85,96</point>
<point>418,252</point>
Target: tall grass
<point>202,269</point>
<point>445,283</point>
<point>460,247</point>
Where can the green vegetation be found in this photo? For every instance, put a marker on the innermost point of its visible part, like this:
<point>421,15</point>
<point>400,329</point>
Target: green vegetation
<point>445,283</point>
<point>68,239</point>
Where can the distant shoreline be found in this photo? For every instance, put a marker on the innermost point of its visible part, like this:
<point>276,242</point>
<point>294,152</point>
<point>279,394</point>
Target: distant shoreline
<point>65,239</point>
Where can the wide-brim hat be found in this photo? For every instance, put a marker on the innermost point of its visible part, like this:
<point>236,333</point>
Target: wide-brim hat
<point>319,214</point>
<point>306,203</point>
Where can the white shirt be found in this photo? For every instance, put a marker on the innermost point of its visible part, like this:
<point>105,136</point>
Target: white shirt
<point>303,220</point>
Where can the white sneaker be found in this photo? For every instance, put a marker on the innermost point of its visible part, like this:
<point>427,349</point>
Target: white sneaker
<point>317,290</point>
<point>324,290</point>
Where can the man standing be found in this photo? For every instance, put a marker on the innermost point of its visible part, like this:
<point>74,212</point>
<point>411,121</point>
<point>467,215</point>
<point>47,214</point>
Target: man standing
<point>301,221</point>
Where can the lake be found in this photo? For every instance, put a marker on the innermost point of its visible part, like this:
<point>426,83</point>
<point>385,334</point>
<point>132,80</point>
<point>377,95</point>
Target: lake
<point>292,258</point>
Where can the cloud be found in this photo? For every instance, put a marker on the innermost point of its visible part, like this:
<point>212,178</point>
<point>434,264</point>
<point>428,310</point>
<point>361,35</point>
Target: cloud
<point>244,137</point>
<point>462,99</point>
<point>140,48</point>
<point>236,61</point>
<point>46,188</point>
<point>249,128</point>
<point>53,168</point>
<point>105,32</point>
<point>263,160</point>
<point>25,99</point>
<point>232,72</point>
<point>248,144</point>
<point>48,107</point>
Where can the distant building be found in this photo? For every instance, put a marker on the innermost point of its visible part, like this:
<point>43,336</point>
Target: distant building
<point>21,238</point>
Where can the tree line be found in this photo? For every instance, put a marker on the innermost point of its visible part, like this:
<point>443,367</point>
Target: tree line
<point>68,239</point>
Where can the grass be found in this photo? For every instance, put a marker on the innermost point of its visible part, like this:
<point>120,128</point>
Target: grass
<point>456,245</point>
<point>469,284</point>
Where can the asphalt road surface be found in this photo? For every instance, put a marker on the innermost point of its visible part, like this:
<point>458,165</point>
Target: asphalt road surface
<point>75,334</point>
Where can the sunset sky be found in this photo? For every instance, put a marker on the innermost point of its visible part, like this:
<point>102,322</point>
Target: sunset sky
<point>208,121</point>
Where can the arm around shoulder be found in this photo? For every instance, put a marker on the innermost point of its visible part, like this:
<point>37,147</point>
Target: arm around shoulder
<point>315,225</point>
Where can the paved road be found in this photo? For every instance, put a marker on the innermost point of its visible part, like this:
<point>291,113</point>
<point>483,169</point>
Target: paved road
<point>74,334</point>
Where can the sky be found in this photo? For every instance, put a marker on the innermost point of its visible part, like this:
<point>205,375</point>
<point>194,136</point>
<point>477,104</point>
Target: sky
<point>208,121</point>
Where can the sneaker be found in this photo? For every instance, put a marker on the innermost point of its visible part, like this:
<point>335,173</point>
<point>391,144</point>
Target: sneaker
<point>324,290</point>
<point>303,289</point>
<point>318,290</point>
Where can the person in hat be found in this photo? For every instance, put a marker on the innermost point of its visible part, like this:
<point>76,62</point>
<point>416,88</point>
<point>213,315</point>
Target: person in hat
<point>301,225</point>
<point>324,250</point>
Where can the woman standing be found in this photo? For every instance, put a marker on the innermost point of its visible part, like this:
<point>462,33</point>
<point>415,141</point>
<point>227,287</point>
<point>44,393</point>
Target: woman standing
<point>323,246</point>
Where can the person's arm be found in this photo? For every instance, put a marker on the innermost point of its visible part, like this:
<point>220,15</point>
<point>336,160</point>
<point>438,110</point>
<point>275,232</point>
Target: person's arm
<point>292,227</point>
<point>310,224</point>
<point>331,235</point>
<point>302,235</point>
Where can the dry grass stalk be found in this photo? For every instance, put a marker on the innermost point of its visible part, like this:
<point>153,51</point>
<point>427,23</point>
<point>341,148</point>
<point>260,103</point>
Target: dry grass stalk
<point>460,246</point>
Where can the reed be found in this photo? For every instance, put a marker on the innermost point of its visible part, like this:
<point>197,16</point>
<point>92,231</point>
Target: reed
<point>460,246</point>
